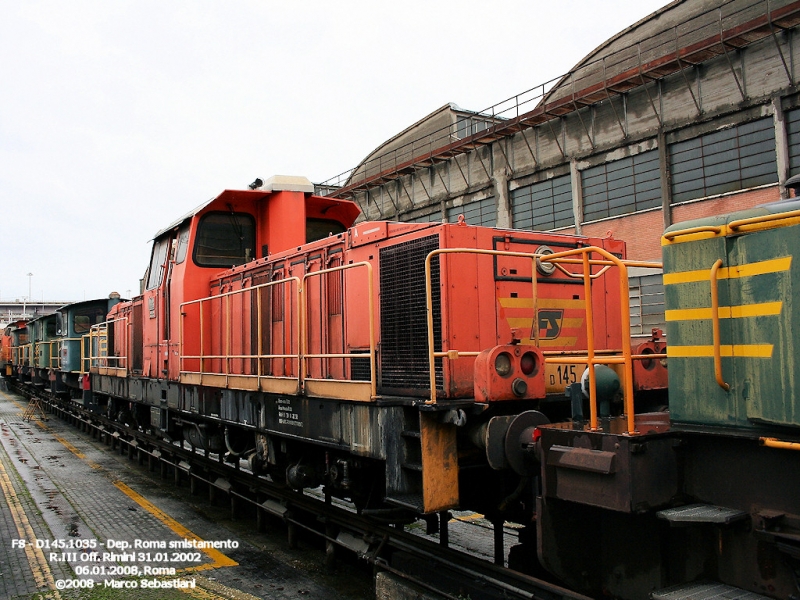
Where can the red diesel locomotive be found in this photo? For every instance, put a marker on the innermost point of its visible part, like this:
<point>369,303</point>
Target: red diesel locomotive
<point>271,327</point>
<point>414,368</point>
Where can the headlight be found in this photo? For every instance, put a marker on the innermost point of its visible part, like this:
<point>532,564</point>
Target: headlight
<point>502,364</point>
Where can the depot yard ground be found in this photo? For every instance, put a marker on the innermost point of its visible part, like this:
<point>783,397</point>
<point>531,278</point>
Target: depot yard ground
<point>62,492</point>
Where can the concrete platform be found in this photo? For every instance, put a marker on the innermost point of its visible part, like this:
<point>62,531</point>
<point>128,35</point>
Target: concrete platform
<point>74,514</point>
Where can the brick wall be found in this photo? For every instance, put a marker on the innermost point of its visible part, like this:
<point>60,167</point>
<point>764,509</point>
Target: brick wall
<point>641,233</point>
<point>725,204</point>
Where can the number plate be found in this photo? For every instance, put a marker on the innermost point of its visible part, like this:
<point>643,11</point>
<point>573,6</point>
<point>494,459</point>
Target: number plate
<point>558,377</point>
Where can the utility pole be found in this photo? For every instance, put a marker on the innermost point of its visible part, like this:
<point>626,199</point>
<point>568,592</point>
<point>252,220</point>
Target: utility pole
<point>24,311</point>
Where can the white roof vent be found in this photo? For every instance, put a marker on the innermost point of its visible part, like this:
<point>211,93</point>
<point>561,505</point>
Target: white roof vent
<point>284,183</point>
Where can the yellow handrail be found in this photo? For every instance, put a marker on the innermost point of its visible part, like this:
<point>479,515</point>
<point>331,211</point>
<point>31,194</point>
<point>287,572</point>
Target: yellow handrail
<point>763,221</point>
<point>73,339</point>
<point>225,358</point>
<point>715,326</point>
<point>371,316</point>
<point>99,332</point>
<point>625,317</point>
<point>452,354</point>
<point>716,230</point>
<point>771,442</point>
<point>52,357</point>
<point>592,357</point>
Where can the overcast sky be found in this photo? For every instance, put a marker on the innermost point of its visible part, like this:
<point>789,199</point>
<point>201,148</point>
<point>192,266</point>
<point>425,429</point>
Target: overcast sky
<point>117,117</point>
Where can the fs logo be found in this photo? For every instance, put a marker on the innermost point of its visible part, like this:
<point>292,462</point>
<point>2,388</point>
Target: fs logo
<point>550,323</point>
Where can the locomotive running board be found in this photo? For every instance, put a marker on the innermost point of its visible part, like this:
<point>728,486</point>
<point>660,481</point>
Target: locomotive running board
<point>705,591</point>
<point>701,513</point>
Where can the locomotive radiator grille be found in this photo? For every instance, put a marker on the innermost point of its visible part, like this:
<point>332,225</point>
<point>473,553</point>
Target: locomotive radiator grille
<point>404,326</point>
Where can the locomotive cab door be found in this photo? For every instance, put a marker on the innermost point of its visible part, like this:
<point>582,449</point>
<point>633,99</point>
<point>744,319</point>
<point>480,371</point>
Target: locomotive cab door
<point>154,327</point>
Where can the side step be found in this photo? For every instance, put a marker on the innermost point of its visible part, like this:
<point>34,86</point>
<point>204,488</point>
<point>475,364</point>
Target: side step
<point>705,591</point>
<point>412,502</point>
<point>701,513</point>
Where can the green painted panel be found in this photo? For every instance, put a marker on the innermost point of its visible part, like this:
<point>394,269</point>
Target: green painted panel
<point>759,325</point>
<point>694,395</point>
<point>767,386</point>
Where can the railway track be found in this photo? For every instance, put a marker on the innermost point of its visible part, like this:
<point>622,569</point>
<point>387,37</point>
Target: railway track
<point>440,570</point>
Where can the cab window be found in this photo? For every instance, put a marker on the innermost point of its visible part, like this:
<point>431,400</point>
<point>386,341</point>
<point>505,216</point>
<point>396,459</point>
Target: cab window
<point>84,318</point>
<point>318,229</point>
<point>183,244</point>
<point>225,240</point>
<point>156,270</point>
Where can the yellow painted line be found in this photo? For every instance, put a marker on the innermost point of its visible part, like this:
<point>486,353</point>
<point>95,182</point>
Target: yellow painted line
<point>472,517</point>
<point>218,558</point>
<point>225,593</point>
<point>764,309</point>
<point>567,342</point>
<point>64,442</point>
<point>524,322</point>
<point>738,350</point>
<point>775,265</point>
<point>69,446</point>
<point>543,302</point>
<point>222,592</point>
<point>571,323</point>
<point>36,559</point>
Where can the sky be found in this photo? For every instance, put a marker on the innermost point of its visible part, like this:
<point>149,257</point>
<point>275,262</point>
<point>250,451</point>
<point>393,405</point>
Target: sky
<point>116,118</point>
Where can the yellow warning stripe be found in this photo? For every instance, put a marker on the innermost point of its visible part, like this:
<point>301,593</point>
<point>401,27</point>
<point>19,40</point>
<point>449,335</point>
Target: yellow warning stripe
<point>525,322</point>
<point>36,559</point>
<point>543,303</point>
<point>220,560</point>
<point>775,265</point>
<point>737,350</point>
<point>567,342</point>
<point>764,309</point>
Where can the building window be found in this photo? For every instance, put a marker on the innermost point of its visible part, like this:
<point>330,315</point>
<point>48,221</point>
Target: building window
<point>482,212</point>
<point>544,205</point>
<point>622,186</point>
<point>736,158</point>
<point>793,132</point>
<point>435,217</point>
<point>467,126</point>
<point>647,303</point>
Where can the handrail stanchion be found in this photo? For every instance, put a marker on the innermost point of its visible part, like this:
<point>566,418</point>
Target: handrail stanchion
<point>304,333</point>
<point>587,291</point>
<point>715,326</point>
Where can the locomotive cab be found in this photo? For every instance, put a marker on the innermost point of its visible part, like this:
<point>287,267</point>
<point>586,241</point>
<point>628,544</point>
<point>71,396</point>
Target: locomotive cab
<point>20,351</point>
<point>74,326</point>
<point>236,227</point>
<point>44,344</point>
<point>8,349</point>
